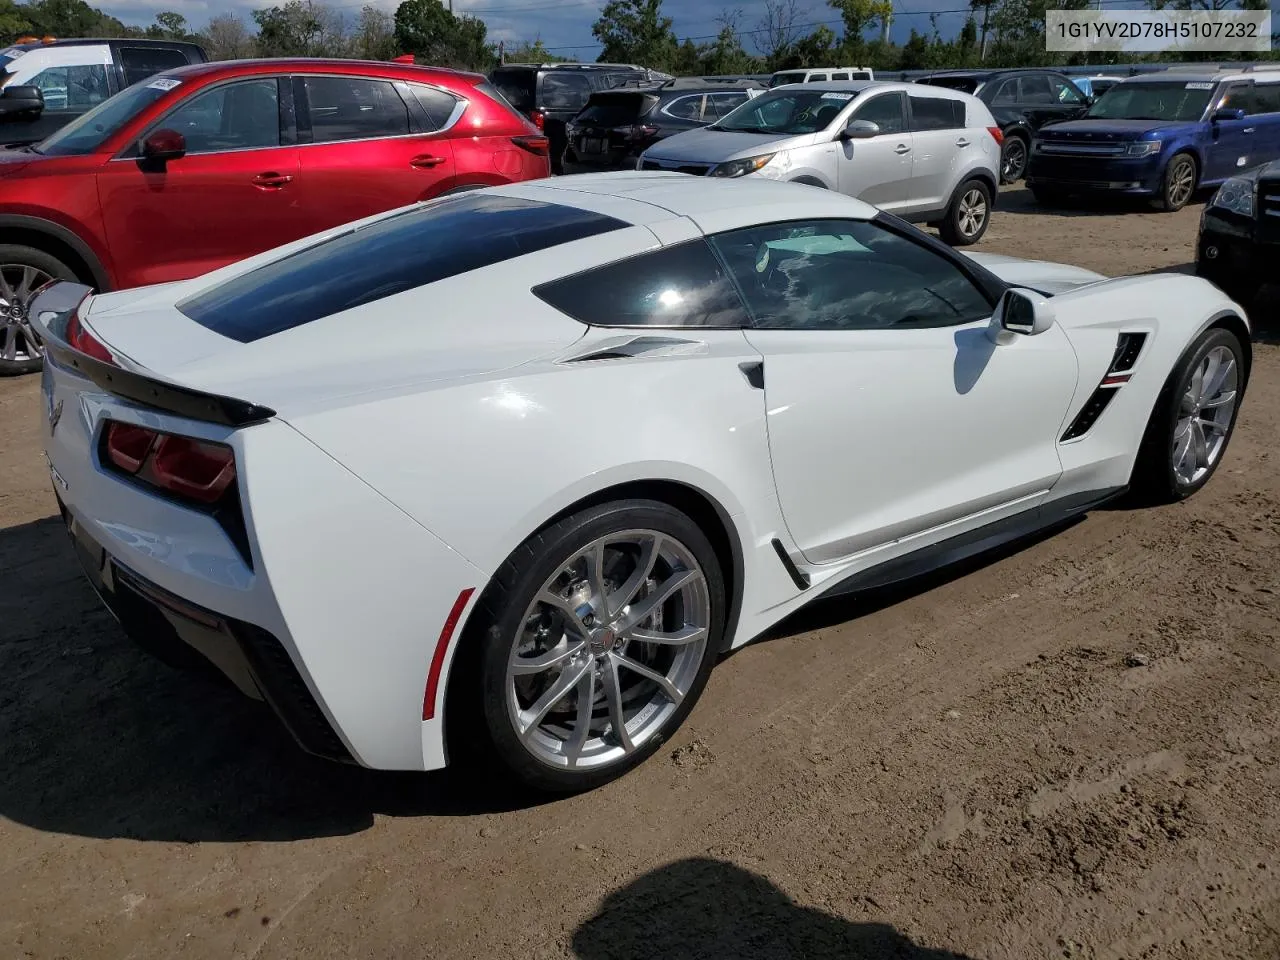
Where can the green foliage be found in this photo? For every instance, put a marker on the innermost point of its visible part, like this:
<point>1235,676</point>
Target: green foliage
<point>431,33</point>
<point>634,31</point>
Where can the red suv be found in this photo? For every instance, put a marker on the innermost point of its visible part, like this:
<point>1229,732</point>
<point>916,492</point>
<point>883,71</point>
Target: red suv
<point>203,165</point>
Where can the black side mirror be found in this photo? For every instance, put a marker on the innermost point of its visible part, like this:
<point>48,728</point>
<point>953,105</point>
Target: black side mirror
<point>1228,113</point>
<point>20,100</point>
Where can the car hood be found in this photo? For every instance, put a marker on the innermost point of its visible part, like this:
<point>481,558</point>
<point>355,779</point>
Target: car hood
<point>1104,130</point>
<point>716,146</point>
<point>14,159</point>
<point>1040,275</point>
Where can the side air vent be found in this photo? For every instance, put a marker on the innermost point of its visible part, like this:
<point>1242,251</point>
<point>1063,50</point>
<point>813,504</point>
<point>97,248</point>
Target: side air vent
<point>1128,346</point>
<point>1090,413</point>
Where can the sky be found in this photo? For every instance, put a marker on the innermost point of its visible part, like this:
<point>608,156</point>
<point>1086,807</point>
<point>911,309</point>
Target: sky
<point>565,25</point>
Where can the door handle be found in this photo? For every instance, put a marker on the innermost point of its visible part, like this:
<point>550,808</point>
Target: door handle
<point>426,161</point>
<point>1248,130</point>
<point>901,149</point>
<point>271,179</point>
<point>962,142</point>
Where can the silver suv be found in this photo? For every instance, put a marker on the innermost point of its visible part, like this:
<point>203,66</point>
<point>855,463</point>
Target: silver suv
<point>926,154</point>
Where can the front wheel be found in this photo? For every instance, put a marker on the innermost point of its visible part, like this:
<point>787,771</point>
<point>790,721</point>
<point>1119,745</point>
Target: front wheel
<point>597,637</point>
<point>1193,420</point>
<point>967,217</point>
<point>1178,185</point>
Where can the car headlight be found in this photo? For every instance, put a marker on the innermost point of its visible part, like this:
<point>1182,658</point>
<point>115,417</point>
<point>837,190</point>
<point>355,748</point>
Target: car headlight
<point>740,168</point>
<point>1144,148</point>
<point>1235,195</point>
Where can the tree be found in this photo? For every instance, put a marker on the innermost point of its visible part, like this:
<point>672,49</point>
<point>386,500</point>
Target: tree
<point>815,50</point>
<point>535,52</point>
<point>635,31</point>
<point>426,29</point>
<point>71,18</point>
<point>171,26</point>
<point>860,14</point>
<point>375,36</point>
<point>13,21</point>
<point>227,38</point>
<point>916,53</point>
<point>300,28</point>
<point>777,29</point>
<point>725,54</point>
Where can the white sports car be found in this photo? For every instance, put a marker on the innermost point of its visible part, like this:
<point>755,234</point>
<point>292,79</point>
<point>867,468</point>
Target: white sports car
<point>501,475</point>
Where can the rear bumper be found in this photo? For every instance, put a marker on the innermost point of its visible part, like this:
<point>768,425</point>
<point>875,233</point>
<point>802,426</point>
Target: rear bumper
<point>188,636</point>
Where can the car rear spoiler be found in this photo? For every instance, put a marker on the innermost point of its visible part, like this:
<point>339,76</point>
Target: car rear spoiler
<point>51,313</point>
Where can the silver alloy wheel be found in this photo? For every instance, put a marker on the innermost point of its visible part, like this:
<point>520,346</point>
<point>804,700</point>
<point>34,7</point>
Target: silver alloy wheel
<point>611,644</point>
<point>1182,181</point>
<point>1204,416</point>
<point>972,213</point>
<point>18,341</point>
<point>1015,158</point>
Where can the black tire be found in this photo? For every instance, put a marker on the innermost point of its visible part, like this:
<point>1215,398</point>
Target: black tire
<point>953,229</point>
<point>482,736</point>
<point>1154,479</point>
<point>1013,158</point>
<point>1174,195</point>
<point>26,359</point>
<point>1048,196</point>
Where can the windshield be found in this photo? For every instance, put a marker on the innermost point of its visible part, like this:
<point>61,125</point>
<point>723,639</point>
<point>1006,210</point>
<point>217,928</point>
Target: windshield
<point>786,112</point>
<point>1153,100</point>
<point>91,130</point>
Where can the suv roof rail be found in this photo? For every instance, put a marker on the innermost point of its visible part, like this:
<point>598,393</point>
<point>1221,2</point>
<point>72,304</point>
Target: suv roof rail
<point>575,65</point>
<point>682,83</point>
<point>1258,67</point>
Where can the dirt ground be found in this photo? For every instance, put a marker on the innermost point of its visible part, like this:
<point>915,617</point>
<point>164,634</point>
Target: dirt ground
<point>1069,751</point>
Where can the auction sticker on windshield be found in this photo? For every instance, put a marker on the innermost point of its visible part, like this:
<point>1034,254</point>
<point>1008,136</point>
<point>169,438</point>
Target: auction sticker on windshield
<point>164,83</point>
<point>837,96</point>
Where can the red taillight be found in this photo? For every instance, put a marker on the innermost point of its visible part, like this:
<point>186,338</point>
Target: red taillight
<point>192,469</point>
<point>997,135</point>
<point>540,146</point>
<point>539,119</point>
<point>85,342</point>
<point>128,446</point>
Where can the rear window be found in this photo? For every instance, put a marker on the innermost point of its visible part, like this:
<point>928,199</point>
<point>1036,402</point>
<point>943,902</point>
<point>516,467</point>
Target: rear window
<point>963,84</point>
<point>616,109</point>
<point>516,86</point>
<point>936,113</point>
<point>142,62</point>
<point>407,250</point>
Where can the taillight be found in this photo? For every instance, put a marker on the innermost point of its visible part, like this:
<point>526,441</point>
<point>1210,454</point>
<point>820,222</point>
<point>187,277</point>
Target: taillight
<point>540,146</point>
<point>996,135</point>
<point>641,130</point>
<point>85,342</point>
<point>539,119</point>
<point>188,468</point>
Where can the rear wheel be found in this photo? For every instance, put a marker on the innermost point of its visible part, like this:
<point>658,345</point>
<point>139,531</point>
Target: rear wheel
<point>1179,183</point>
<point>967,217</point>
<point>1193,420</point>
<point>1013,158</point>
<point>23,271</point>
<point>595,640</point>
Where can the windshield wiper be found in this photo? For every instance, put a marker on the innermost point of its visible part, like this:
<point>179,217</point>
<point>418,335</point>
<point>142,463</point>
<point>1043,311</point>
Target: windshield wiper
<point>745,129</point>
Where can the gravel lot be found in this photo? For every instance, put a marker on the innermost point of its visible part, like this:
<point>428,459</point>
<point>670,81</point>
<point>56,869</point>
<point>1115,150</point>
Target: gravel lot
<point>1070,751</point>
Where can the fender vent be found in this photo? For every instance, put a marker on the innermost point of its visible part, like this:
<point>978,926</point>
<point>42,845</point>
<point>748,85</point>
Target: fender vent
<point>1090,412</point>
<point>1128,346</point>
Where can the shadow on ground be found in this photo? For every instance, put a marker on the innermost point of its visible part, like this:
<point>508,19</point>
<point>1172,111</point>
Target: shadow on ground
<point>1020,200</point>
<point>101,740</point>
<point>714,910</point>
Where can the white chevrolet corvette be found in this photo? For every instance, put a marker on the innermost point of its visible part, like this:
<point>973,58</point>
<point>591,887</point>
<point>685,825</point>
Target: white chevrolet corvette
<point>501,475</point>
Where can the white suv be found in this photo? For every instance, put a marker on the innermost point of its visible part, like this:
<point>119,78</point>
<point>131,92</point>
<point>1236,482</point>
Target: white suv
<point>926,154</point>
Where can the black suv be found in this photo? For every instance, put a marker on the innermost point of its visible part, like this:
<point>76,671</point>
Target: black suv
<point>551,93</point>
<point>1022,101</point>
<point>1239,243</point>
<point>617,125</point>
<point>46,85</point>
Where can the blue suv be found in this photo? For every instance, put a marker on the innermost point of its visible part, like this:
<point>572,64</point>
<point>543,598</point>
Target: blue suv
<point>1162,135</point>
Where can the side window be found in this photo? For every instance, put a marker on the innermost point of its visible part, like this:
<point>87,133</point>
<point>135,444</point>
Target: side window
<point>439,106</point>
<point>846,275</point>
<point>564,91</point>
<point>1267,97</point>
<point>936,113</point>
<point>1239,97</point>
<point>685,108</point>
<point>840,76</point>
<point>720,104</point>
<point>236,116</point>
<point>679,286</point>
<point>1006,95</point>
<point>352,108</point>
<point>1065,92</point>
<point>1035,89</point>
<point>816,78</point>
<point>142,62</point>
<point>72,88</point>
<point>884,110</point>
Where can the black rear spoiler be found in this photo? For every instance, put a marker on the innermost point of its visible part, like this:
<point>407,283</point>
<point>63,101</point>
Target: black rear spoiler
<point>51,312</point>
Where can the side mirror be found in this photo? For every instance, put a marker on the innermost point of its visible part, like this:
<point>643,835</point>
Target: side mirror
<point>860,130</point>
<point>161,146</point>
<point>1090,100</point>
<point>1228,113</point>
<point>1022,312</point>
<point>20,100</point>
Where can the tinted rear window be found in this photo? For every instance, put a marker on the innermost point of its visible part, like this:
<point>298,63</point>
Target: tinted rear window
<point>516,86</point>
<point>407,250</point>
<point>963,84</point>
<point>615,109</point>
<point>936,113</point>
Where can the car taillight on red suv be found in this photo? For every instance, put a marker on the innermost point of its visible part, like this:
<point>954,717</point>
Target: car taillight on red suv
<point>197,471</point>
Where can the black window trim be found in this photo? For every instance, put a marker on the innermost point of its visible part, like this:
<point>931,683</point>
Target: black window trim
<point>286,120</point>
<point>401,87</point>
<point>988,284</point>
